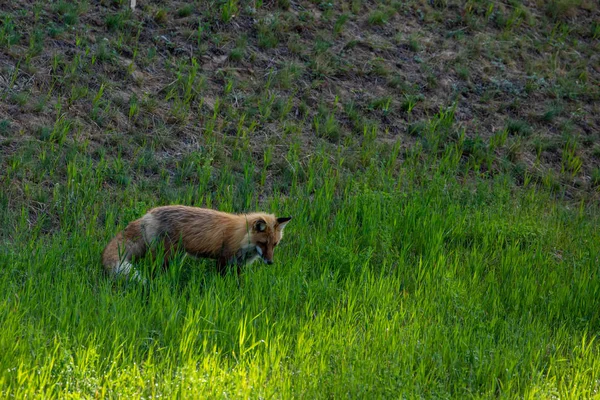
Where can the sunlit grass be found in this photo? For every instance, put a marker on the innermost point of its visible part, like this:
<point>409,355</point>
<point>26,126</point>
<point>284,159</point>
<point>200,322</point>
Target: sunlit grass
<point>382,286</point>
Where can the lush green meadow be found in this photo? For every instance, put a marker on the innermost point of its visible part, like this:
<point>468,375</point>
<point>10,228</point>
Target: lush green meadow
<point>440,160</point>
<point>408,284</point>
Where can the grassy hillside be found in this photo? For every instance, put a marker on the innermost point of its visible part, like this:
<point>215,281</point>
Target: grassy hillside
<point>441,162</point>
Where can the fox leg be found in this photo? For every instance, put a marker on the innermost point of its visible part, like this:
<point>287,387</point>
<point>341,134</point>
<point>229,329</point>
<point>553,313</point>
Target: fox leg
<point>170,249</point>
<point>222,265</point>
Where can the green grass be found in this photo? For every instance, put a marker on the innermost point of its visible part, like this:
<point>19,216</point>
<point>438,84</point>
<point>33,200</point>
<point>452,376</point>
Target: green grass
<point>378,17</point>
<point>444,240</point>
<point>185,11</point>
<point>518,127</point>
<point>382,287</point>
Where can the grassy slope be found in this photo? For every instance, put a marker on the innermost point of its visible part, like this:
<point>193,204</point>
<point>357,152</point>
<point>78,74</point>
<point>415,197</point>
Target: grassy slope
<point>429,254</point>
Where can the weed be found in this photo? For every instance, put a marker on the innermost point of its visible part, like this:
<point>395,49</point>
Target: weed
<point>462,72</point>
<point>54,31</point>
<point>515,149</point>
<point>417,128</point>
<point>294,44</point>
<point>596,177</point>
<point>267,159</point>
<point>161,16</point>
<point>119,21</point>
<point>413,43</point>
<point>77,92</point>
<point>9,34</point>
<point>551,113</point>
<point>518,127</point>
<point>595,30</point>
<point>4,127</point>
<point>589,140</point>
<point>104,53</point>
<point>228,86</point>
<point>239,52</point>
<point>439,4</point>
<point>550,181</point>
<point>44,133</point>
<point>559,9</point>
<point>457,34</point>
<point>60,130</point>
<point>571,162</point>
<point>36,43</point>
<point>321,45</point>
<point>322,65</point>
<point>326,125</point>
<point>410,101</point>
<point>432,80</point>
<point>133,107</point>
<point>352,110</point>
<point>267,33</point>
<point>40,104</point>
<point>20,98</point>
<point>289,74</point>
<point>382,104</point>
<point>498,139</point>
<point>477,152</point>
<point>68,12</point>
<point>379,68</point>
<point>397,81</point>
<point>185,11</point>
<point>339,23</point>
<point>228,10</point>
<point>378,17</point>
<point>236,54</point>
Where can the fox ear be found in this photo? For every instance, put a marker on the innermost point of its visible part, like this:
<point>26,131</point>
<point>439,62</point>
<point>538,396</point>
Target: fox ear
<point>282,222</point>
<point>260,225</point>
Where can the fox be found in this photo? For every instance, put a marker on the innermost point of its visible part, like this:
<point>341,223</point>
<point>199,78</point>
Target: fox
<point>230,239</point>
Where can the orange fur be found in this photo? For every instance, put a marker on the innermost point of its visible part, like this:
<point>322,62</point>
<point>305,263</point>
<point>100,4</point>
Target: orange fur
<point>228,238</point>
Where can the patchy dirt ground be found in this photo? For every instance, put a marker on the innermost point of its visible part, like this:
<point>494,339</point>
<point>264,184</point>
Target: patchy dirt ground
<point>521,80</point>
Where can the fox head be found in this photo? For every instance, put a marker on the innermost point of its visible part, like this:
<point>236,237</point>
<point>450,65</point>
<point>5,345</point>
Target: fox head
<point>267,232</point>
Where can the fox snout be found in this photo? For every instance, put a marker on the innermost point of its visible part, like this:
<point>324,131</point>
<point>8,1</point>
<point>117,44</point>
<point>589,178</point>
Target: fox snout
<point>268,260</point>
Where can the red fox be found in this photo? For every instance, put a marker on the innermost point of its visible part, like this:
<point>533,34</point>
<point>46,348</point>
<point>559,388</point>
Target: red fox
<point>228,238</point>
